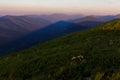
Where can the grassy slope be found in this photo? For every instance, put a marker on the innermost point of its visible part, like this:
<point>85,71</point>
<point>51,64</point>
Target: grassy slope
<point>54,60</point>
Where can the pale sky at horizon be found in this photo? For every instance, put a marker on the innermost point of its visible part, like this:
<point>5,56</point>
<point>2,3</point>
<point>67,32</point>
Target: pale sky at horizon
<point>89,7</point>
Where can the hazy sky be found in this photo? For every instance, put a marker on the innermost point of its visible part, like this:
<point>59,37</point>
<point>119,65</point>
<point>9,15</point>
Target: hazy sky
<point>59,6</point>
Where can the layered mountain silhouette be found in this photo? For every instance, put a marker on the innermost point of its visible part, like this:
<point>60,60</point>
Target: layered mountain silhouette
<point>109,17</point>
<point>89,18</point>
<point>118,16</point>
<point>93,54</point>
<point>89,21</point>
<point>56,17</point>
<point>13,27</point>
<point>27,31</point>
<point>20,32</point>
<point>52,31</point>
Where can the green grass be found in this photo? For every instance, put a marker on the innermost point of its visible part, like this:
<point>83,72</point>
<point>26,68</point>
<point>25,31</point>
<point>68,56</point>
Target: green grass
<point>53,60</point>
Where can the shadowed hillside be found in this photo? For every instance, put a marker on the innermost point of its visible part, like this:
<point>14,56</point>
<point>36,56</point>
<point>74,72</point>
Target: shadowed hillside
<point>49,32</point>
<point>13,27</point>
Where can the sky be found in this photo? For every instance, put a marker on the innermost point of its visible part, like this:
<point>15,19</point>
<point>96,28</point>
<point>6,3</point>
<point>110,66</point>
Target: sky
<point>87,7</point>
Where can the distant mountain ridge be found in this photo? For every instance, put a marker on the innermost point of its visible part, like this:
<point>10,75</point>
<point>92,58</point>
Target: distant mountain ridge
<point>13,27</point>
<point>89,21</point>
<point>57,17</point>
<point>26,22</point>
<point>89,18</point>
<point>109,17</point>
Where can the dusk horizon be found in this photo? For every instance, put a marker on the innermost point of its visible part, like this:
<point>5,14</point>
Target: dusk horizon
<point>77,14</point>
<point>86,7</point>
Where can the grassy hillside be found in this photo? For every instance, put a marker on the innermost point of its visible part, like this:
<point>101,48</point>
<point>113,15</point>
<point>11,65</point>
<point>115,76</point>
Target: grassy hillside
<point>93,54</point>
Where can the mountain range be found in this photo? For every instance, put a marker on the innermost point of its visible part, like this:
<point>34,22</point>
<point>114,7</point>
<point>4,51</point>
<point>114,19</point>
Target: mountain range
<point>92,54</point>
<point>57,17</point>
<point>89,21</point>
<point>13,27</point>
<point>47,33</point>
<point>109,17</point>
<point>20,32</point>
